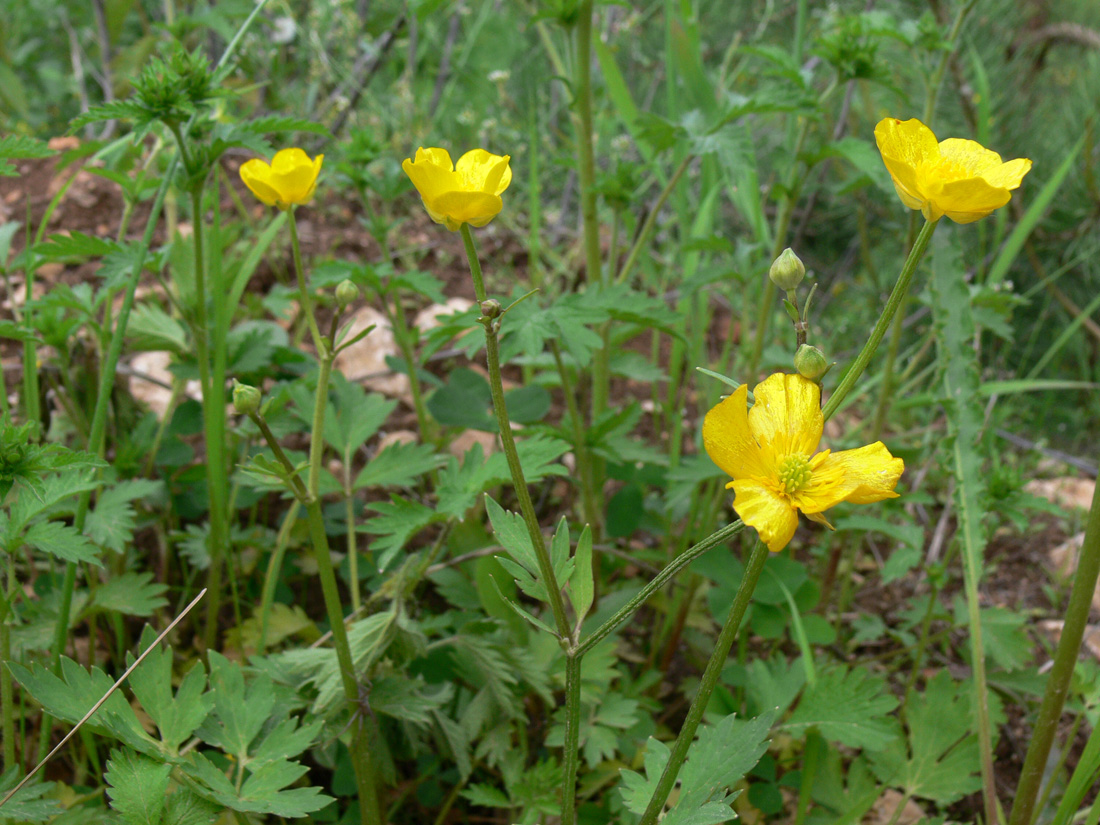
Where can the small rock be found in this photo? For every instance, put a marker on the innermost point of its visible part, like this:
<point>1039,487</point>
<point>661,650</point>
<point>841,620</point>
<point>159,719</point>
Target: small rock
<point>396,437</point>
<point>156,393</point>
<point>1066,491</point>
<point>365,360</point>
<point>468,438</point>
<point>1064,558</point>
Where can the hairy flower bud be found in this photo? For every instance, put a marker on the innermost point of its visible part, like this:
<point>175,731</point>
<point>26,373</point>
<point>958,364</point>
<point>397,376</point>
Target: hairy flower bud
<point>490,308</point>
<point>346,293</point>
<point>246,399</point>
<point>787,271</point>
<point>810,362</point>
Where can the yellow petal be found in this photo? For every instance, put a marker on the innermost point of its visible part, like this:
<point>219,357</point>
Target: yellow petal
<point>287,160</point>
<point>907,141</point>
<point>1008,175</point>
<point>905,146</point>
<point>431,173</point>
<point>293,175</point>
<point>786,418</point>
<point>861,476</point>
<point>483,171</point>
<point>965,201</point>
<point>256,173</point>
<point>970,156</point>
<point>435,156</point>
<point>765,510</point>
<point>474,208</point>
<point>728,439</point>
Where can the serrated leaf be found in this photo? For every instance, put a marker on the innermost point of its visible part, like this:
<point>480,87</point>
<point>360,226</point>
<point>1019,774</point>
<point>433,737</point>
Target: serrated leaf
<point>137,786</point>
<point>154,329</point>
<point>847,706</point>
<point>188,808</point>
<point>399,465</point>
<point>73,695</point>
<point>111,523</point>
<point>176,717</point>
<point>76,246</point>
<point>581,583</point>
<point>27,804</point>
<point>487,796</point>
<point>941,761</point>
<point>239,711</point>
<point>62,541</point>
<point>720,757</point>
<point>398,520</point>
<point>132,594</point>
<point>538,624</point>
<point>637,790</point>
<point>24,147</point>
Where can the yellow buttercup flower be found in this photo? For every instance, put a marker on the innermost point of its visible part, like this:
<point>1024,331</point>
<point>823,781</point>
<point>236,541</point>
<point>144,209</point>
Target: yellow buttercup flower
<point>289,180</point>
<point>769,451</point>
<point>465,192</point>
<point>957,178</point>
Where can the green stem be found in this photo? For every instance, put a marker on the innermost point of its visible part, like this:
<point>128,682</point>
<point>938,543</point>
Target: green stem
<point>98,428</point>
<point>213,417</point>
<point>303,290</point>
<point>365,780</point>
<point>1065,657</point>
<point>271,575</point>
<point>571,745</point>
<point>402,334</point>
<point>666,575</point>
<point>706,686</point>
<point>580,446</point>
<point>508,442</point>
<point>901,289</point>
<point>922,644</point>
<point>586,159</point>
<point>779,241</point>
<point>651,220</point>
<point>349,526</point>
<point>886,388</point>
<point>7,701</point>
<point>360,746</point>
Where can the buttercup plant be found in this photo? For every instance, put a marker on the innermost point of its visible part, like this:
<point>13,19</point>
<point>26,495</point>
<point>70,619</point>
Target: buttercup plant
<point>464,658</point>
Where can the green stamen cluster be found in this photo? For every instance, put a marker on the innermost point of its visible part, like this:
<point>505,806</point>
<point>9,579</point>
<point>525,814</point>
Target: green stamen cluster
<point>794,473</point>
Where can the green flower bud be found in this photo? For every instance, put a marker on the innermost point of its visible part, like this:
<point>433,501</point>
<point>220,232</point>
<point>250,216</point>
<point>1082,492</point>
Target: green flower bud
<point>490,308</point>
<point>346,293</point>
<point>787,271</point>
<point>246,399</point>
<point>810,362</point>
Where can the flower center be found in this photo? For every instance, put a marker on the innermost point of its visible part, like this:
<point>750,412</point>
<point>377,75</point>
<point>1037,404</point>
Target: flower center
<point>794,473</point>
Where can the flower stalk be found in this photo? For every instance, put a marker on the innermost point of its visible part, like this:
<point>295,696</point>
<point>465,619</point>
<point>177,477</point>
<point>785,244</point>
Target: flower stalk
<point>1065,658</point>
<point>717,661</point>
<point>901,289</point>
<point>309,495</point>
<point>508,442</point>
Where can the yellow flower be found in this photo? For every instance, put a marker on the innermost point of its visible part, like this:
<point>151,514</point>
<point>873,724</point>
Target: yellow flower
<point>466,192</point>
<point>769,451</point>
<point>957,178</point>
<point>289,180</point>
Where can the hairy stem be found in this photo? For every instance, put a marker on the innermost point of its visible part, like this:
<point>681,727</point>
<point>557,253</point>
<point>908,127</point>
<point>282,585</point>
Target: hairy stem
<point>706,686</point>
<point>1065,657</point>
<point>508,442</point>
<point>901,289</point>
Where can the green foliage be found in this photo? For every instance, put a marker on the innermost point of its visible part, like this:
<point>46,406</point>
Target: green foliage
<point>722,755</point>
<point>941,761</point>
<point>850,707</point>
